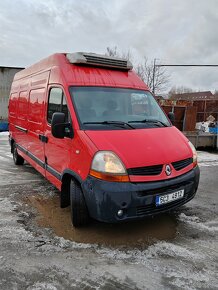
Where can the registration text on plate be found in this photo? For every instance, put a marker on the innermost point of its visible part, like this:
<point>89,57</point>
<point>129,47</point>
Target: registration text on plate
<point>166,198</point>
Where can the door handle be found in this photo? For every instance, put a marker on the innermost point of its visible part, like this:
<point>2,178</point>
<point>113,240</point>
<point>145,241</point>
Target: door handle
<point>43,138</point>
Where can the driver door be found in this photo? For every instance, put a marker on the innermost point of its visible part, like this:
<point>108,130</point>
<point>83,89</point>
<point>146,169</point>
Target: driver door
<point>57,151</point>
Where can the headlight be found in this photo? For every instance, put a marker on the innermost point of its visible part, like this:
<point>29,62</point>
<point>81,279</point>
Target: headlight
<point>194,152</point>
<point>107,165</point>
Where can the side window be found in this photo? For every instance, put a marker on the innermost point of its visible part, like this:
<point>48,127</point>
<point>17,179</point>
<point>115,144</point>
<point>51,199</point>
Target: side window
<point>57,103</point>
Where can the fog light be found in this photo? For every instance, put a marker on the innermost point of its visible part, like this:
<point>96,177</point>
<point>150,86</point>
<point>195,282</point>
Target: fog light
<point>120,212</point>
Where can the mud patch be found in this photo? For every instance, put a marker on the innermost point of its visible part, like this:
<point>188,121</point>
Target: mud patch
<point>138,234</point>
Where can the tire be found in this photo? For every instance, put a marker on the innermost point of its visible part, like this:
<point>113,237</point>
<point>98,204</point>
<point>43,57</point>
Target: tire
<point>79,211</point>
<point>18,160</point>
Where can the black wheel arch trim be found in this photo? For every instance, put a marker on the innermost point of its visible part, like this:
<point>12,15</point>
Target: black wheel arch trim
<point>73,174</point>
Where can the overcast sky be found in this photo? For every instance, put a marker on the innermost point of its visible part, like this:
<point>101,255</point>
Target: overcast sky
<point>173,31</point>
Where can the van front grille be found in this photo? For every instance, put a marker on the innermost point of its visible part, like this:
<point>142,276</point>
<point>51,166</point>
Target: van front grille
<point>147,170</point>
<point>178,165</point>
<point>168,189</point>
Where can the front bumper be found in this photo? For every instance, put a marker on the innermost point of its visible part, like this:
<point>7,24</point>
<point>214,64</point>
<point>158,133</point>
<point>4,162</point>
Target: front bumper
<point>137,200</point>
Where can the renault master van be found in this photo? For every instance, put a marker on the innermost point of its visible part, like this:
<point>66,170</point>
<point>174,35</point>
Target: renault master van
<point>91,126</point>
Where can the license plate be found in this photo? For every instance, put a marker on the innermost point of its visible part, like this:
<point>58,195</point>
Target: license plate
<point>166,198</point>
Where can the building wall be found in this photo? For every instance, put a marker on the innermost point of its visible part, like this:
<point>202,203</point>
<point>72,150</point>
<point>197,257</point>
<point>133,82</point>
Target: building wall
<point>6,78</point>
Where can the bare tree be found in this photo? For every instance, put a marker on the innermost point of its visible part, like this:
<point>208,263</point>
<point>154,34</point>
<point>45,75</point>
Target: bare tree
<point>113,51</point>
<point>154,76</point>
<point>180,90</point>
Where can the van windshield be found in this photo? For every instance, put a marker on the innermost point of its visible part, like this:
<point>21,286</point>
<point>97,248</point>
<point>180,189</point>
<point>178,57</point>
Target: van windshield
<point>115,108</point>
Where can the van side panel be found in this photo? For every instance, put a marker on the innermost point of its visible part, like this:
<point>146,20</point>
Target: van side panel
<point>12,115</point>
<point>26,117</point>
<point>36,120</point>
<point>21,121</point>
<point>36,127</point>
<point>18,108</point>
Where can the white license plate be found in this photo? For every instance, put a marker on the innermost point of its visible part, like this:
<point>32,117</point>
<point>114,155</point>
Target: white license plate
<point>166,198</point>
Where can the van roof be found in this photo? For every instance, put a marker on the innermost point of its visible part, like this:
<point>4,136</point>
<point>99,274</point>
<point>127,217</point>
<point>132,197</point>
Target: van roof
<point>82,73</point>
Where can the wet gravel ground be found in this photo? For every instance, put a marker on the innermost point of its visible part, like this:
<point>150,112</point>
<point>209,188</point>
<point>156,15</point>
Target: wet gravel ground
<point>40,250</point>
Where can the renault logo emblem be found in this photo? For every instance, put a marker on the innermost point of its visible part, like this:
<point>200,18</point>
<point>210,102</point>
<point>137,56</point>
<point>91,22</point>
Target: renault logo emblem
<point>168,170</point>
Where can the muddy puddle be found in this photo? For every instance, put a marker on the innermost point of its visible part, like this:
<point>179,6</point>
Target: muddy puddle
<point>131,234</point>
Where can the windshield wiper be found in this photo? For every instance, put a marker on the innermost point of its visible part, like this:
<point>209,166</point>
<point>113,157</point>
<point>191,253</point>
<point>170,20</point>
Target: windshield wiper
<point>115,123</point>
<point>149,121</point>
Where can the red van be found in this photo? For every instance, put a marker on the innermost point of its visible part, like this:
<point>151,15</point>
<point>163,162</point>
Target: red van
<point>90,126</point>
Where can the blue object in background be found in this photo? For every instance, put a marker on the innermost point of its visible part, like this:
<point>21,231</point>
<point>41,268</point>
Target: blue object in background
<point>3,126</point>
<point>213,130</point>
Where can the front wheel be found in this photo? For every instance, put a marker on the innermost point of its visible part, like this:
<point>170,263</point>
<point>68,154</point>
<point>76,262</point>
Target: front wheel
<point>18,160</point>
<point>79,211</point>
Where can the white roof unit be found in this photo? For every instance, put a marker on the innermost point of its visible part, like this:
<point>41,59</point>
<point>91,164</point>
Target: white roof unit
<point>93,59</point>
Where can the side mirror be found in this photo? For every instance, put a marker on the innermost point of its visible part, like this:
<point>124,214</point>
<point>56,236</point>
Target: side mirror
<point>171,116</point>
<point>59,128</point>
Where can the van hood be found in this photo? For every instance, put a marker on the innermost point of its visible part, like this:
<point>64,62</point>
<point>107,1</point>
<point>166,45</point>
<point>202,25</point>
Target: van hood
<point>143,147</point>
